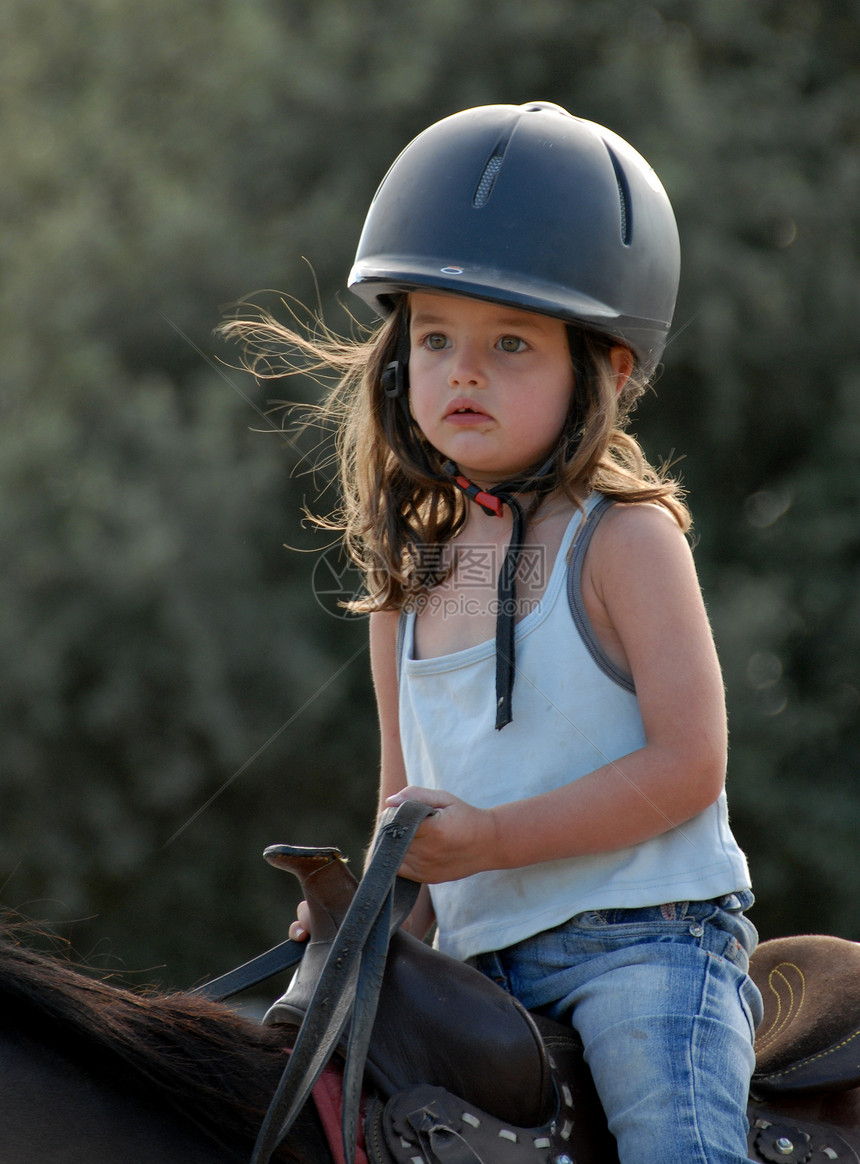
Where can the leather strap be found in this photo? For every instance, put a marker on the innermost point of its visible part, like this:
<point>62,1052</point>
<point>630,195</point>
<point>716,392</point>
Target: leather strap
<point>492,501</point>
<point>448,1147</point>
<point>264,966</point>
<point>252,973</point>
<point>507,602</point>
<point>349,985</point>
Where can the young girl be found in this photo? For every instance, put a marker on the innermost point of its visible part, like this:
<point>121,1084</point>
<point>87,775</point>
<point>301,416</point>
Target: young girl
<point>544,669</point>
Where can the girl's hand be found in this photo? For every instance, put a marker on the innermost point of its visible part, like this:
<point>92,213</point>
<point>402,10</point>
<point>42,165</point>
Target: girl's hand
<point>300,929</point>
<point>458,840</point>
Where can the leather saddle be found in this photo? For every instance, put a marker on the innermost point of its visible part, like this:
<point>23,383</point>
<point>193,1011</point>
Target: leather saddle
<point>435,1017</point>
<point>809,1038</point>
<point>442,1026</point>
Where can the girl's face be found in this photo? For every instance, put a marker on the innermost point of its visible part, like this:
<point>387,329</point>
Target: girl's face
<point>490,385</point>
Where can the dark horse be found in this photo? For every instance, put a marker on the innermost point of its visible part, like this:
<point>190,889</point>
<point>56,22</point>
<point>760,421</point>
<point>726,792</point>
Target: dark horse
<point>91,1073</point>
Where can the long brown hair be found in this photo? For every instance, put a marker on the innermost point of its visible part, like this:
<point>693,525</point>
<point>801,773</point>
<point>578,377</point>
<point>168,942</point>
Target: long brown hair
<point>396,502</point>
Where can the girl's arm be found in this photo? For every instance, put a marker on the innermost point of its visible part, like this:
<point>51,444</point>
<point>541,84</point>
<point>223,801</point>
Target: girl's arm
<point>392,779</point>
<point>383,662</point>
<point>641,589</point>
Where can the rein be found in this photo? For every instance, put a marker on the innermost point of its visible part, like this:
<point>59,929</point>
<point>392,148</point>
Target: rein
<point>289,953</point>
<point>348,987</point>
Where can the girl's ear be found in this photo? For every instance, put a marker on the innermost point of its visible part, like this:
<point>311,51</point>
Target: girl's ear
<point>621,362</point>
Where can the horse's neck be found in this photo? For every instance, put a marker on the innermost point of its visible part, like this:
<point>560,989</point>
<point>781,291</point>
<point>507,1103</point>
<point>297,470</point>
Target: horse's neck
<point>53,1107</point>
<point>56,1109</point>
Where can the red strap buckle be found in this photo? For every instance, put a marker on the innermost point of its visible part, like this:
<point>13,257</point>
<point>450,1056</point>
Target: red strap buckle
<point>492,505</point>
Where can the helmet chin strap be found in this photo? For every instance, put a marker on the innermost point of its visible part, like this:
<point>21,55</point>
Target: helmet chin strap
<point>395,386</point>
<point>493,501</point>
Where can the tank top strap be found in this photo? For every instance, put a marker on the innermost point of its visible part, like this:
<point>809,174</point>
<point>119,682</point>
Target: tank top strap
<point>400,642</point>
<point>581,543</point>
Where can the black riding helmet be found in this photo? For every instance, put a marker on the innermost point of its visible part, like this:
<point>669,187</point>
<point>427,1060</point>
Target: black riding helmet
<point>534,208</point>
<point>529,206</point>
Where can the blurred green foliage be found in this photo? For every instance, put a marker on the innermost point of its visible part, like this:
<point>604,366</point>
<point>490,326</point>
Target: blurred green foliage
<point>172,695</point>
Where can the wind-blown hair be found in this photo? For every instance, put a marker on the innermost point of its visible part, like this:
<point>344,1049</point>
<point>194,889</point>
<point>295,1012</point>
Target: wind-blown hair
<point>396,503</point>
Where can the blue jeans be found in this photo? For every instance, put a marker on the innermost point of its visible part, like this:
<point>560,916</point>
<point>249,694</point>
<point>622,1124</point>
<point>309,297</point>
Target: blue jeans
<point>666,1012</point>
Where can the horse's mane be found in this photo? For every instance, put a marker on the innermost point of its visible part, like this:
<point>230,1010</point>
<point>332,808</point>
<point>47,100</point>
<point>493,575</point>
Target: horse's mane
<point>211,1065</point>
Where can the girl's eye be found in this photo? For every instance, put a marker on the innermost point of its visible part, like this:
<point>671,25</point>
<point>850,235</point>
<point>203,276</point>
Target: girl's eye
<point>436,341</point>
<point>512,343</point>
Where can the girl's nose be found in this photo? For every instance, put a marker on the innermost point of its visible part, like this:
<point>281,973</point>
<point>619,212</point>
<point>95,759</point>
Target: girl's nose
<point>466,369</point>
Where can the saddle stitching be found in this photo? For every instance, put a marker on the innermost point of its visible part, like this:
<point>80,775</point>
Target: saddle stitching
<point>813,1058</point>
<point>782,1020</point>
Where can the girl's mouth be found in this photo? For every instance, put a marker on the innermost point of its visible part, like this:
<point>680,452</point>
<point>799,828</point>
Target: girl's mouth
<point>465,412</point>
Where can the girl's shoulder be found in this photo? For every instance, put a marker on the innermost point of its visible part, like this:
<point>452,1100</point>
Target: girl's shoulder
<point>640,519</point>
<point>639,587</point>
<point>638,540</point>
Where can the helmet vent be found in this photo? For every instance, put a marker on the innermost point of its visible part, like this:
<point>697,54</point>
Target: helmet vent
<point>491,171</point>
<point>623,199</point>
<point>488,180</point>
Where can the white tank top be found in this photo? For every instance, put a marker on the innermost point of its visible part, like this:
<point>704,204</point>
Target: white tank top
<point>573,712</point>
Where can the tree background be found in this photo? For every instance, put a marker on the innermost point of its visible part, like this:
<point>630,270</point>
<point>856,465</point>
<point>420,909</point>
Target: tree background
<point>174,694</point>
